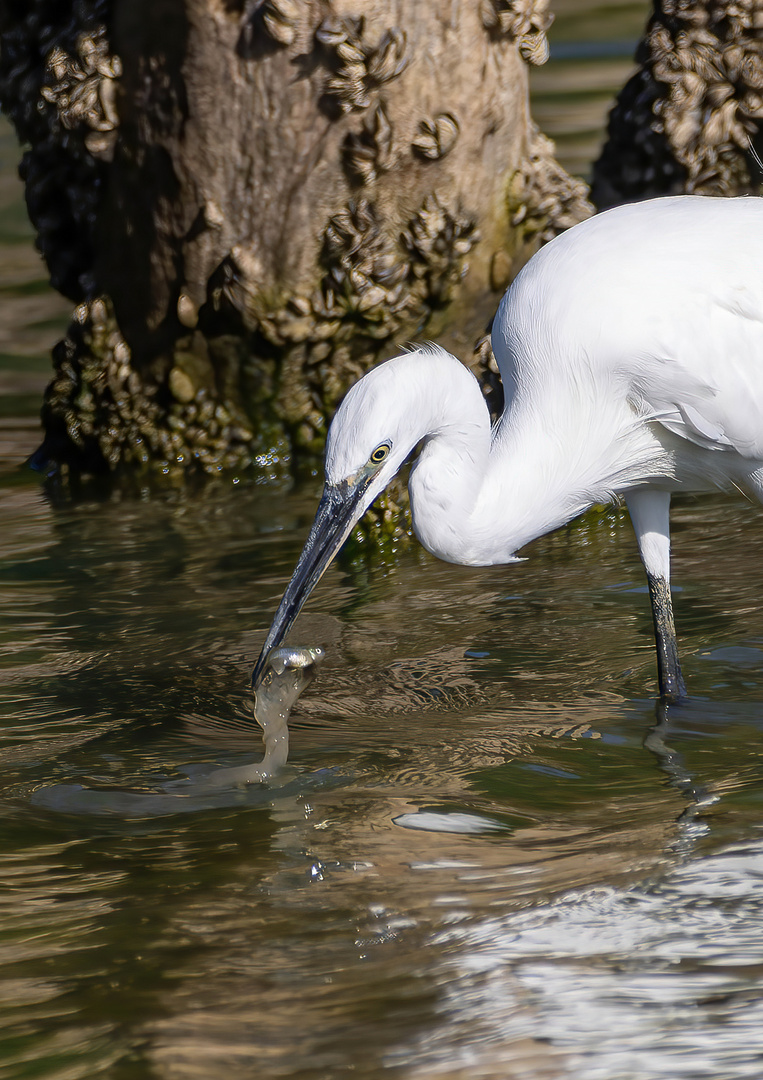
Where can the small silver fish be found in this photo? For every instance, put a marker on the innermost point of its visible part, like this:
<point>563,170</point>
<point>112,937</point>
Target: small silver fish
<point>288,673</point>
<point>294,657</point>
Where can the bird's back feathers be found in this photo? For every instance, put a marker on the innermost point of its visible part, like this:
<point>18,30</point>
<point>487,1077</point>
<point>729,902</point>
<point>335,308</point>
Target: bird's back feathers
<point>664,299</point>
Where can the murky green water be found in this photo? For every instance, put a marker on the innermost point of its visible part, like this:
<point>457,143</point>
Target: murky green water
<point>484,859</point>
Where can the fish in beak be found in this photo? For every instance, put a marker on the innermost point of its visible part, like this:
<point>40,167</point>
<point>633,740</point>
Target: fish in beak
<point>341,506</point>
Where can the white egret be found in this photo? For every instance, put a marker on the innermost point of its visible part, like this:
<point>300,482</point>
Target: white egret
<point>631,354</point>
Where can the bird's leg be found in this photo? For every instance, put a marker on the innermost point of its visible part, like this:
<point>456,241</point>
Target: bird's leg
<point>649,509</point>
<point>672,686</point>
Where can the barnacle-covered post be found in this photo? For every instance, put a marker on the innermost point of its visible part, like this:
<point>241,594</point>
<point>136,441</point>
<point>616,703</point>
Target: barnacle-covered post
<point>251,201</point>
<point>691,118</point>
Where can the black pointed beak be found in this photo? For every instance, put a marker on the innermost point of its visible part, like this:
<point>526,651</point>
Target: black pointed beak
<point>339,509</point>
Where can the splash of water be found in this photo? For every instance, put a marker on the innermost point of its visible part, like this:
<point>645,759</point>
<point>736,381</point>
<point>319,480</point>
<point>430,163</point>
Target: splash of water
<point>288,674</point>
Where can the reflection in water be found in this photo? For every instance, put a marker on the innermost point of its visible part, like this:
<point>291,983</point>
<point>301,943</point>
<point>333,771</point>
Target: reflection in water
<point>686,954</point>
<point>698,798</point>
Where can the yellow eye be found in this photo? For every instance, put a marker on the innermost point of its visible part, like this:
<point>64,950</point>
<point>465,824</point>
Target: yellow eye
<point>380,454</point>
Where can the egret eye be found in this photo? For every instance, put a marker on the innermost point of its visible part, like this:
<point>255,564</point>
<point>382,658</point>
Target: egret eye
<point>380,453</point>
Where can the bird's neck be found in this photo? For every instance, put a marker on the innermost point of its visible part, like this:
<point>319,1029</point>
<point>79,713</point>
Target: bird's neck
<point>468,510</point>
<point>446,478</point>
<point>476,498</point>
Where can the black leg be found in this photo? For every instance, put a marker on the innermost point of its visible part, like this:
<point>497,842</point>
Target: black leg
<point>672,685</point>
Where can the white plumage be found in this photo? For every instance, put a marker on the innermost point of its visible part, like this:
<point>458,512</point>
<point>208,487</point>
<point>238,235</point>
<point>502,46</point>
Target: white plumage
<point>631,354</point>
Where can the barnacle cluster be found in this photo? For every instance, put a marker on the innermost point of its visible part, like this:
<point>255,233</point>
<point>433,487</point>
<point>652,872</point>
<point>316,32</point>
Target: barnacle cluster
<point>101,412</point>
<point>368,153</point>
<point>543,198</point>
<point>83,88</point>
<point>372,279</point>
<point>365,279</point>
<point>525,21</point>
<point>57,84</point>
<point>358,68</point>
<point>437,241</point>
<point>686,121</point>
<point>307,348</point>
<point>278,19</point>
<point>436,137</point>
<point>373,283</point>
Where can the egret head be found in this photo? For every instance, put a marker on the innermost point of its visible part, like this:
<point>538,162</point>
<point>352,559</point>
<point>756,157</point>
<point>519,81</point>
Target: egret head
<point>369,439</point>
